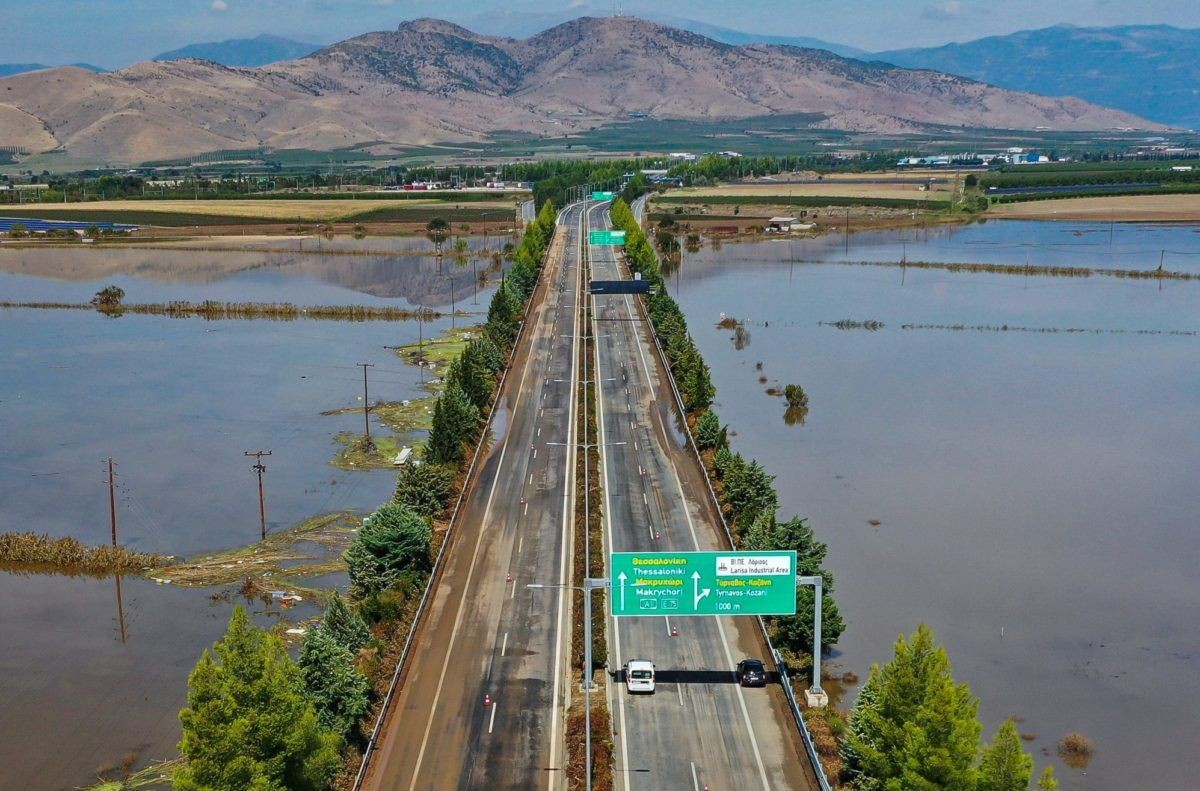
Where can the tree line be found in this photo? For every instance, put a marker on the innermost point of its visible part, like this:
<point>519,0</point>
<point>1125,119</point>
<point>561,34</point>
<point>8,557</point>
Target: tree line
<point>913,726</point>
<point>746,491</point>
<point>258,720</point>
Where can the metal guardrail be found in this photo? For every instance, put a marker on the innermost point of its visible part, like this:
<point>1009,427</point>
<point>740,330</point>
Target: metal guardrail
<point>780,664</point>
<point>372,743</point>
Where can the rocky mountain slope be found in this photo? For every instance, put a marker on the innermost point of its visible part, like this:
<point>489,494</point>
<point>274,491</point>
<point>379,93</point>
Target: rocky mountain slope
<point>431,81</point>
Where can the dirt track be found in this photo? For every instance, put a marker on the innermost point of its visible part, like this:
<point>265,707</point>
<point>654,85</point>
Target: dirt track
<point>312,210</point>
<point>1121,208</point>
<point>824,189</point>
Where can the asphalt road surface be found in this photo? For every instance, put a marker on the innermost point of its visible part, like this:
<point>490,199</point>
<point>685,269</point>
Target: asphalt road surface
<point>700,729</point>
<point>486,634</point>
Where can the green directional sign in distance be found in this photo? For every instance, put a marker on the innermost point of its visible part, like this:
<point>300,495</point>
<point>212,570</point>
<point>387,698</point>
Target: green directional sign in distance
<point>615,238</point>
<point>602,196</point>
<point>703,583</point>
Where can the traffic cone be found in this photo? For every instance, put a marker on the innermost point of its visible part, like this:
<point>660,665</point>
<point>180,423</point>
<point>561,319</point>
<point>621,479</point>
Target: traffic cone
<point>657,535</point>
<point>674,631</point>
<point>487,699</point>
<point>508,578</point>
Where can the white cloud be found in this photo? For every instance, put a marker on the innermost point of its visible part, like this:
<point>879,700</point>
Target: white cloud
<point>949,9</point>
<point>219,5</point>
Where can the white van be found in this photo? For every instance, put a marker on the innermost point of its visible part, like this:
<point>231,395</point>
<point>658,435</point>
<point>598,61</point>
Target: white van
<point>639,676</point>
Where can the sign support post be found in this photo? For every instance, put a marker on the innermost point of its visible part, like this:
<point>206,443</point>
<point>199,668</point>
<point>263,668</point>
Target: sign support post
<point>814,696</point>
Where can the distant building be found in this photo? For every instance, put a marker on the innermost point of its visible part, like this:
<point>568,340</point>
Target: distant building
<point>781,224</point>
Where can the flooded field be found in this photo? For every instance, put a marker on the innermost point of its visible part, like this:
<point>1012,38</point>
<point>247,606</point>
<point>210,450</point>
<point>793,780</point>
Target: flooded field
<point>176,402</point>
<point>406,271</point>
<point>1027,445</point>
<point>1012,242</point>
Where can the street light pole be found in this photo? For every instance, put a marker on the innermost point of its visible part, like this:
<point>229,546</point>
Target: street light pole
<point>589,584</point>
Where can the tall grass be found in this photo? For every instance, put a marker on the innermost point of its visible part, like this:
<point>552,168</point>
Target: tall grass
<point>1024,269</point>
<point>211,310</point>
<point>874,326</point>
<point>32,551</point>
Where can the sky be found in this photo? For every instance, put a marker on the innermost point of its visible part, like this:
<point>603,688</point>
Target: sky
<point>114,33</point>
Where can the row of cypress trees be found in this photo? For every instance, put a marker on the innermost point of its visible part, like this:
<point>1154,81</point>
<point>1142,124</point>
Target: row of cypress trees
<point>913,726</point>
<point>746,491</point>
<point>255,718</point>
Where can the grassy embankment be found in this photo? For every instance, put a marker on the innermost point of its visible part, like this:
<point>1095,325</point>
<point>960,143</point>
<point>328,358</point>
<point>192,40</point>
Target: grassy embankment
<point>322,209</point>
<point>408,422</point>
<point>841,204</point>
<point>283,560</point>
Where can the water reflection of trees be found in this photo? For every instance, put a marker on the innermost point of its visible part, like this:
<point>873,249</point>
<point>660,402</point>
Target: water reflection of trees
<point>795,415</point>
<point>741,337</point>
<point>420,279</point>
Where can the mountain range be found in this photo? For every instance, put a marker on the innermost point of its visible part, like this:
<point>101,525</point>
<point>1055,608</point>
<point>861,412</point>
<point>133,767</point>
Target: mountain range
<point>431,81</point>
<point>9,69</point>
<point>1149,70</point>
<point>258,51</point>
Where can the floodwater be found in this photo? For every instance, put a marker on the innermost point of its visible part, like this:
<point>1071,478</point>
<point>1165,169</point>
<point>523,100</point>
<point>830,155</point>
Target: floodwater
<point>176,402</point>
<point>1035,491</point>
<point>303,277</point>
<point>1014,242</point>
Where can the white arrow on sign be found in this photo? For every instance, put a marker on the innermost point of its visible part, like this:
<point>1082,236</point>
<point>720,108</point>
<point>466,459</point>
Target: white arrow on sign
<point>622,578</point>
<point>698,594</point>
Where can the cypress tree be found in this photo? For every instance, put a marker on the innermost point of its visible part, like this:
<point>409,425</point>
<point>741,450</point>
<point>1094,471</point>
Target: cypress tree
<point>455,419</point>
<point>338,691</point>
<point>344,625</point>
<point>918,729</point>
<point>709,433</point>
<point>425,488</point>
<point>1004,765</point>
<point>247,724</point>
<point>393,540</point>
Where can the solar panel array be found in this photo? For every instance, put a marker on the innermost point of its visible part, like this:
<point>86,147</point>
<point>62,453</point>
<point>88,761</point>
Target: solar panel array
<point>41,226</point>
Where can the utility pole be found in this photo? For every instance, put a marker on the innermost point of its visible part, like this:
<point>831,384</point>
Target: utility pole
<point>366,404</point>
<point>112,501</point>
<point>260,468</point>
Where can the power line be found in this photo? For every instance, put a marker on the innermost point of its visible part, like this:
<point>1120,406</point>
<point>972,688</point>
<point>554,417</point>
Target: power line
<point>366,403</point>
<point>260,468</point>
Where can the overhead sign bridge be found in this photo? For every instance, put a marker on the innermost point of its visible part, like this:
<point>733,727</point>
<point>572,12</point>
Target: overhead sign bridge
<point>703,583</point>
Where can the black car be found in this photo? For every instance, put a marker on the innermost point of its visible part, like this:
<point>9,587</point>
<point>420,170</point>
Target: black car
<point>751,673</point>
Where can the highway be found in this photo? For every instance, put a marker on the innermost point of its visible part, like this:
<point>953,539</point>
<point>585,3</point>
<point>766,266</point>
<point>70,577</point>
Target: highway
<point>485,633</point>
<point>700,729</point>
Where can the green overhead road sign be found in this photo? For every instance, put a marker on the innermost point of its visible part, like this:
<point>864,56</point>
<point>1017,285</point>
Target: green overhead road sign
<point>616,238</point>
<point>602,196</point>
<point>703,583</point>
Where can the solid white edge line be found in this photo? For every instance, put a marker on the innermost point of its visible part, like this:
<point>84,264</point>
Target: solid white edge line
<point>487,513</point>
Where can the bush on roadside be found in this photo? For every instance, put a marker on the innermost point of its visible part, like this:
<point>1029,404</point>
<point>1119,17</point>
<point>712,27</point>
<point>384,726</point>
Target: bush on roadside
<point>393,540</point>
